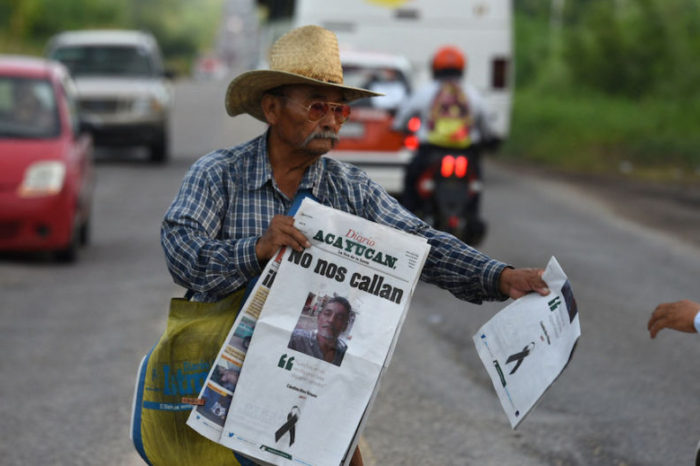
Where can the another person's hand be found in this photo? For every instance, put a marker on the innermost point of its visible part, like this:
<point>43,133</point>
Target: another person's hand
<point>679,315</point>
<point>281,232</point>
<point>519,282</point>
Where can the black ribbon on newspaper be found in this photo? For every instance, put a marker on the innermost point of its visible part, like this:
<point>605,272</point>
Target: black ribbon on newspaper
<point>519,357</point>
<point>292,419</point>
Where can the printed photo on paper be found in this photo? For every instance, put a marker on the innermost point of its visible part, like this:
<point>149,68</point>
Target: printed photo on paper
<point>226,374</point>
<point>242,335</point>
<point>216,404</point>
<point>323,328</point>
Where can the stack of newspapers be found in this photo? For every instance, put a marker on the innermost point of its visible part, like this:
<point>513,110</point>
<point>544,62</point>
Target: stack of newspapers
<point>277,396</point>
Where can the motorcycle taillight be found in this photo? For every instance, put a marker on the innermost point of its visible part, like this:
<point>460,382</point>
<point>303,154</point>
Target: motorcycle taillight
<point>461,165</point>
<point>447,167</point>
<point>452,165</point>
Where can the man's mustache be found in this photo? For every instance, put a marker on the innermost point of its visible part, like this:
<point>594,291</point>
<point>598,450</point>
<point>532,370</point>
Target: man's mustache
<point>321,135</point>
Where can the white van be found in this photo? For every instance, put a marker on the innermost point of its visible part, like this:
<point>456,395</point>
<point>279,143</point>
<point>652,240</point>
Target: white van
<point>124,92</point>
<point>417,28</point>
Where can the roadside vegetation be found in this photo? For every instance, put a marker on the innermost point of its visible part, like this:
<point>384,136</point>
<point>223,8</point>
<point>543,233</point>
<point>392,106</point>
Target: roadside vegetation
<point>183,28</point>
<point>608,86</point>
<point>603,86</point>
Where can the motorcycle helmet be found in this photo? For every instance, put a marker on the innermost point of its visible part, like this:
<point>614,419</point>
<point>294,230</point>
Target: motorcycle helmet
<point>449,58</point>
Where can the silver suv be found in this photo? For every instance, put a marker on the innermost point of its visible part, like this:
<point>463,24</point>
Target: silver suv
<point>124,94</point>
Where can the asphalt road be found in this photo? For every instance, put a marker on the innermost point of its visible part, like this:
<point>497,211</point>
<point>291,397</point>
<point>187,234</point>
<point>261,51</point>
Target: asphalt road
<point>72,336</point>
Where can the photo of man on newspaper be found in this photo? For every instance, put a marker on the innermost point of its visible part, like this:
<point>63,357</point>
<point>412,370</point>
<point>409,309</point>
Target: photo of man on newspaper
<point>322,339</point>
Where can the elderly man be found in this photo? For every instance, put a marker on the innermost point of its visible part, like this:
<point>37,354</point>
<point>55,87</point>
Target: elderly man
<point>228,218</point>
<point>324,342</point>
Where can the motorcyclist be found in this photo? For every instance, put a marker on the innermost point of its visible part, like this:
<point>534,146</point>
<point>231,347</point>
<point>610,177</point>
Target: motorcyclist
<point>448,63</point>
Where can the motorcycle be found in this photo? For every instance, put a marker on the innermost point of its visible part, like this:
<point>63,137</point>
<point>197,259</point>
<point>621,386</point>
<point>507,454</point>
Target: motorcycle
<point>448,188</point>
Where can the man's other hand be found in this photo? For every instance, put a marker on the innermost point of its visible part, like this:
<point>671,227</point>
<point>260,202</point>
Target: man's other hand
<point>519,282</point>
<point>281,232</point>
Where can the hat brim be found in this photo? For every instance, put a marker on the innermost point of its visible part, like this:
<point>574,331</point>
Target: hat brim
<point>244,93</point>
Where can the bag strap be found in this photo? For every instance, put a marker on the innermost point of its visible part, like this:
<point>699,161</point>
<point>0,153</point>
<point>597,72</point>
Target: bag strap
<point>296,203</point>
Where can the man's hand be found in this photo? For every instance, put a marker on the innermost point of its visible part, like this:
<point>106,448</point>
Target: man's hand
<point>281,232</point>
<point>678,316</point>
<point>519,282</point>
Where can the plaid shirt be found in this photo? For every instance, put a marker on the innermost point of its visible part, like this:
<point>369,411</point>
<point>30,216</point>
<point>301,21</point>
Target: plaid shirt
<point>229,197</point>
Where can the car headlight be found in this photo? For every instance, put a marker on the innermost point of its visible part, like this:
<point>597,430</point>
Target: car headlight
<point>43,179</point>
<point>147,105</point>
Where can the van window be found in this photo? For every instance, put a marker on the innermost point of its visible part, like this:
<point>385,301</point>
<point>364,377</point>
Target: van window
<point>105,60</point>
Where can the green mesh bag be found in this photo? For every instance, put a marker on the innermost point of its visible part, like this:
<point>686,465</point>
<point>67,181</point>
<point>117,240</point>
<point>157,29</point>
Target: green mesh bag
<point>176,367</point>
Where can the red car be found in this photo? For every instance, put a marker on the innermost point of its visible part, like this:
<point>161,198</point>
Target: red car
<point>46,160</point>
<point>367,138</point>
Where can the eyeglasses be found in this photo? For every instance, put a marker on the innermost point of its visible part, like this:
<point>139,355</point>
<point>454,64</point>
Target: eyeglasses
<point>319,109</point>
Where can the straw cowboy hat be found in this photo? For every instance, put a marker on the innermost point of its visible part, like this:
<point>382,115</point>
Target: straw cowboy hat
<point>306,55</point>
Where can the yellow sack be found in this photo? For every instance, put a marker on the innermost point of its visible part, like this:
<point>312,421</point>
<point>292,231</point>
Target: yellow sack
<point>176,367</point>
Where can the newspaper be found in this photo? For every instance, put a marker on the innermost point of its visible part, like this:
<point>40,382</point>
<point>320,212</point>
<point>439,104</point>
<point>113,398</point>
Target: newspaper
<point>290,403</point>
<point>528,344</point>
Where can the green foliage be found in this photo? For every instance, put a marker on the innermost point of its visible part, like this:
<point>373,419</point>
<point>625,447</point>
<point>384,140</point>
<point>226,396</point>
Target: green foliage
<point>182,27</point>
<point>617,84</point>
<point>597,133</point>
<point>532,48</point>
<point>632,48</point>
<point>620,51</point>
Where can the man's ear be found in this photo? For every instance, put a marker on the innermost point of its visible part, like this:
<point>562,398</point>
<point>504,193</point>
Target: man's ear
<point>271,107</point>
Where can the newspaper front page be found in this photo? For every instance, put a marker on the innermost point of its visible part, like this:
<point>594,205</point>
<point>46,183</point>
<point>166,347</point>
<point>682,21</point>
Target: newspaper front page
<point>528,344</point>
<point>298,401</point>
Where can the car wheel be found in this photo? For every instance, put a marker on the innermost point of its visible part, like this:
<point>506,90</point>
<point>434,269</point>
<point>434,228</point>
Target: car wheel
<point>69,254</point>
<point>84,232</point>
<point>159,150</point>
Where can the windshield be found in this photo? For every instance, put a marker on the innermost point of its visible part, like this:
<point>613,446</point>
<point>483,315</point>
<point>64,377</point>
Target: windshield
<point>27,109</point>
<point>385,80</point>
<point>105,60</point>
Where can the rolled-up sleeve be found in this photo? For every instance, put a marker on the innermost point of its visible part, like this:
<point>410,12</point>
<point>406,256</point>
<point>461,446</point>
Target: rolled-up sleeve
<point>197,255</point>
<point>452,265</point>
